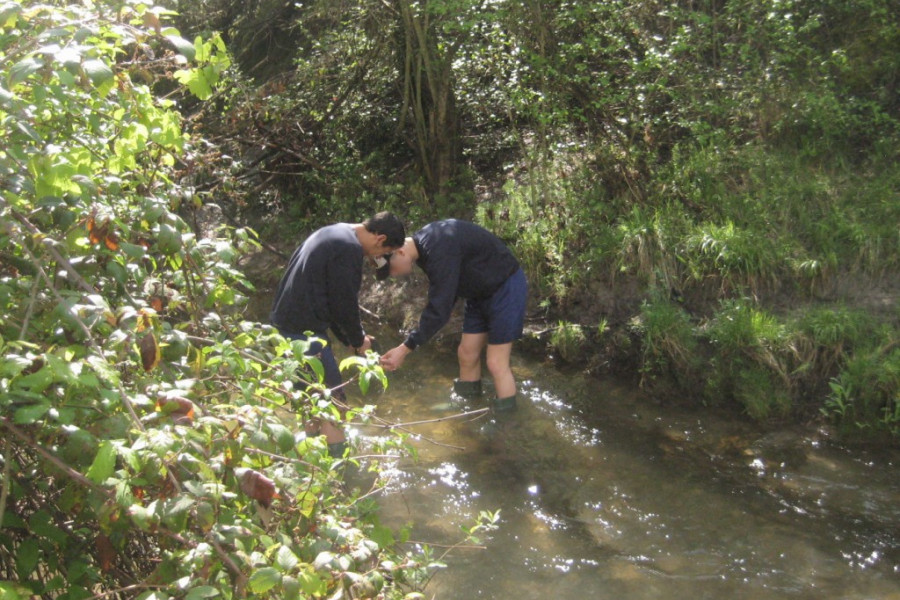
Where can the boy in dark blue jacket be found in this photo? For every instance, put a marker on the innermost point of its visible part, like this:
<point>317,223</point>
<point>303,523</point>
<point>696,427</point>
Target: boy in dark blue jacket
<point>464,260</point>
<point>320,291</point>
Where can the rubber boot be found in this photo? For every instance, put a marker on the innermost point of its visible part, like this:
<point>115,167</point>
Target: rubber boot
<point>468,390</point>
<point>337,449</point>
<point>503,405</point>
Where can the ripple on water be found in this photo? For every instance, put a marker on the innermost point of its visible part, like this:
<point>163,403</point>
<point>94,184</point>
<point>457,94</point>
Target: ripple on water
<point>604,495</point>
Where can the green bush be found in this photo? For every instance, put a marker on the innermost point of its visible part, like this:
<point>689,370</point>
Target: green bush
<point>568,340</point>
<point>152,438</point>
<point>668,340</point>
<point>751,359</point>
<point>762,393</point>
<point>866,392</point>
<point>741,260</point>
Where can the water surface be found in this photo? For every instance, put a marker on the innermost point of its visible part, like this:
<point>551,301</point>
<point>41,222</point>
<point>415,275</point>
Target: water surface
<point>606,495</point>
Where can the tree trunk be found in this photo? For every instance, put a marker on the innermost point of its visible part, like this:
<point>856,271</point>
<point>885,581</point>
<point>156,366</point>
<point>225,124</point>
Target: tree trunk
<point>429,101</point>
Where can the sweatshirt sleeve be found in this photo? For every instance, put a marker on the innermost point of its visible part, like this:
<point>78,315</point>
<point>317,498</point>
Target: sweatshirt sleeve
<point>443,278</point>
<point>344,279</point>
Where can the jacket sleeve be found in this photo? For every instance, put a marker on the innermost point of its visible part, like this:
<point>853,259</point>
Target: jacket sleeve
<point>443,283</point>
<point>344,279</point>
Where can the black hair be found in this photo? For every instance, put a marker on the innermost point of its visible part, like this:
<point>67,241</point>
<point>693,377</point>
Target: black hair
<point>387,224</point>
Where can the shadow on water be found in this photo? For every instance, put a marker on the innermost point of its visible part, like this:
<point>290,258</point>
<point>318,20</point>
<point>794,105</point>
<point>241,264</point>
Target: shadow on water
<point>604,496</point>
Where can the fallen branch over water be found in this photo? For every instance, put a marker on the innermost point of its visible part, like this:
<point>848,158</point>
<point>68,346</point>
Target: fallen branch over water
<point>473,413</point>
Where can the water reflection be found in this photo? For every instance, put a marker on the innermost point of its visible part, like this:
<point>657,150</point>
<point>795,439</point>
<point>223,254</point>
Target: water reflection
<point>604,496</point>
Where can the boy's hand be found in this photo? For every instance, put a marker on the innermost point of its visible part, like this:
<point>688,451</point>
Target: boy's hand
<point>393,358</point>
<point>366,345</point>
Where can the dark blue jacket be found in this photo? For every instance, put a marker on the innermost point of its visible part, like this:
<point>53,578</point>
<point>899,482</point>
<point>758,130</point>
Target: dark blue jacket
<point>320,287</point>
<point>461,260</point>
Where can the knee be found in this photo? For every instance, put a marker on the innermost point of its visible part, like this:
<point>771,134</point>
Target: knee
<point>497,365</point>
<point>467,356</point>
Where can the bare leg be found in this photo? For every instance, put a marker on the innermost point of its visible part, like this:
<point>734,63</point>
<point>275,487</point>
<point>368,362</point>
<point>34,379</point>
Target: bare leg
<point>469,354</point>
<point>498,364</point>
<point>332,433</point>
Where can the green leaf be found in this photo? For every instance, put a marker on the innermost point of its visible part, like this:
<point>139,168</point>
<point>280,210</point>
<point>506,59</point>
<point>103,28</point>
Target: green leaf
<point>196,81</point>
<point>104,463</point>
<point>313,584</point>
<point>182,46</point>
<point>97,71</point>
<point>41,524</point>
<point>284,438</point>
<point>286,559</point>
<point>316,365</point>
<point>290,588</point>
<point>173,510</point>
<point>8,13</point>
<point>20,71</point>
<point>13,591</point>
<point>27,556</point>
<point>383,536</point>
<point>307,503</point>
<point>27,415</point>
<point>13,364</point>
<point>352,361</point>
<point>169,240</point>
<point>203,591</point>
<point>264,580</point>
<point>133,251</point>
<point>364,384</point>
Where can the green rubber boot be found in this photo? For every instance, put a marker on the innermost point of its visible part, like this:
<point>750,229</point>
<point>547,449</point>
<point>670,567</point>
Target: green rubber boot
<point>503,405</point>
<point>468,390</point>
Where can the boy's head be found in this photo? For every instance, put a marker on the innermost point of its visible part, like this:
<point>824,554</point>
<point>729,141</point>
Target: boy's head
<point>388,225</point>
<point>399,262</point>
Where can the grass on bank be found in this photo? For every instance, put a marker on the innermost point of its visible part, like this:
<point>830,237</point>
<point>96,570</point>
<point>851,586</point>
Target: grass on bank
<point>752,267</point>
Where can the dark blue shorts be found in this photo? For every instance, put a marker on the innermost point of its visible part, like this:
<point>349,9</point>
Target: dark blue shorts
<point>502,315</point>
<point>323,352</point>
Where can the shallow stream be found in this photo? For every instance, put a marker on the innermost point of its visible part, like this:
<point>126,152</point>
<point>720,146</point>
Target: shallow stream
<point>603,494</point>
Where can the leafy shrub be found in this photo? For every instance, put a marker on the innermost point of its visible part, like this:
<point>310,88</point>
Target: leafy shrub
<point>761,392</point>
<point>751,359</point>
<point>739,259</point>
<point>150,440</point>
<point>866,392</point>
<point>669,342</point>
<point>568,340</point>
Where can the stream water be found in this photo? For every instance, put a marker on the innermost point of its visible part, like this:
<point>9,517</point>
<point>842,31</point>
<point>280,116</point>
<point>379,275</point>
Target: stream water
<point>603,494</point>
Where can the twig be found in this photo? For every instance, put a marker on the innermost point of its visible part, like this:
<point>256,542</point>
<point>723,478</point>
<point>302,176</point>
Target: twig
<point>7,460</point>
<point>28,313</point>
<point>241,581</point>
<point>368,312</point>
<point>285,458</point>
<point>50,458</point>
<point>123,397</point>
<point>450,546</point>
<point>136,586</point>
<point>472,413</point>
<point>60,260</point>
<point>427,439</point>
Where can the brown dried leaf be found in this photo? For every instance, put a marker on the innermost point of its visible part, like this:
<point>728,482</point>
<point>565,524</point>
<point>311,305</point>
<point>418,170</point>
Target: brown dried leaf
<point>258,486</point>
<point>149,351</point>
<point>106,554</point>
<point>111,241</point>
<point>145,320</point>
<point>180,409</point>
<point>152,20</point>
<point>97,233</point>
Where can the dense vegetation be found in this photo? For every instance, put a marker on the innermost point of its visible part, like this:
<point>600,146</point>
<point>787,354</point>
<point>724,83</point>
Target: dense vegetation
<point>151,442</point>
<point>703,192</point>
